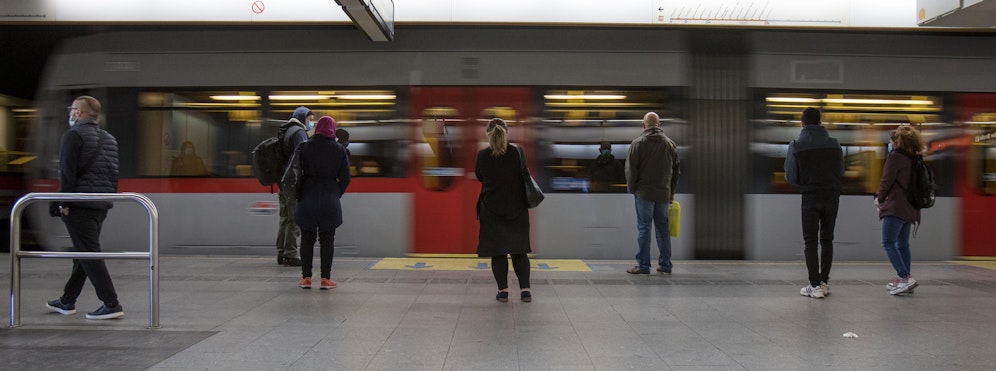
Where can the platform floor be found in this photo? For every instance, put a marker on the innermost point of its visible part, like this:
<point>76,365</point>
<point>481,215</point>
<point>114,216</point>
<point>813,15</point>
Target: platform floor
<point>246,313</point>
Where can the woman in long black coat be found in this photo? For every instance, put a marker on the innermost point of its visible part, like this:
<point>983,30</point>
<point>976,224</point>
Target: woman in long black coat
<point>502,211</point>
<point>324,176</point>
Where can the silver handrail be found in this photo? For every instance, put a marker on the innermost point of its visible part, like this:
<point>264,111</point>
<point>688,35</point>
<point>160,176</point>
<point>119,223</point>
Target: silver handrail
<point>16,254</point>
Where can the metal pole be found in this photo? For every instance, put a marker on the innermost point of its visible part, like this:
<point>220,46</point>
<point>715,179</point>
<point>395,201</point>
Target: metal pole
<point>15,265</point>
<point>16,254</point>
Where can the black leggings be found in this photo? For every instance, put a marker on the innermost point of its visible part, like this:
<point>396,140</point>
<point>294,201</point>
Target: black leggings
<point>325,242</point>
<point>520,262</point>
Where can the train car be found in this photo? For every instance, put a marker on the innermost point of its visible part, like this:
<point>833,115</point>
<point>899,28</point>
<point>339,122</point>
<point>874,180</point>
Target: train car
<point>415,110</point>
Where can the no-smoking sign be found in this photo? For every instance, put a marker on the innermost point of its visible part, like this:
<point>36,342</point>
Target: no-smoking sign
<point>258,7</point>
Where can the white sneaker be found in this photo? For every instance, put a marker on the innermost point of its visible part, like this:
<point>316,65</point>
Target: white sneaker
<point>904,287</point>
<point>812,291</point>
<point>892,285</point>
<point>826,288</point>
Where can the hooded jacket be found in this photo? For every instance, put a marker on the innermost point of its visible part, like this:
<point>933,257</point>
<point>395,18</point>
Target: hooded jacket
<point>292,137</point>
<point>815,161</point>
<point>79,145</point>
<point>652,166</point>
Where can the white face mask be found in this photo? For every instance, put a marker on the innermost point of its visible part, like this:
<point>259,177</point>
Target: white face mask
<point>72,121</point>
<point>188,151</point>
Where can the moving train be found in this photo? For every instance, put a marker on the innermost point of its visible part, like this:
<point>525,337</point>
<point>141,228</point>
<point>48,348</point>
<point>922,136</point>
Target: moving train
<point>416,109</point>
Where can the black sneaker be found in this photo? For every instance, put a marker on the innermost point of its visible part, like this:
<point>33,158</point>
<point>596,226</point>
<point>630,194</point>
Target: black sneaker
<point>106,313</point>
<point>281,260</point>
<point>664,271</point>
<point>57,306</point>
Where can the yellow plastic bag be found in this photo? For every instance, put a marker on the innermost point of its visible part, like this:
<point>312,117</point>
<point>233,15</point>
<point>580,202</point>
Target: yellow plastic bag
<point>674,218</point>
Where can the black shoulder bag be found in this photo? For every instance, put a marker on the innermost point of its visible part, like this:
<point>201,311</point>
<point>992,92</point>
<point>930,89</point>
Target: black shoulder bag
<point>534,195</point>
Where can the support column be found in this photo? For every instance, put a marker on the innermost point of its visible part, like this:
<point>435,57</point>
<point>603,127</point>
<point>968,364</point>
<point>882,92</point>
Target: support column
<point>719,122</point>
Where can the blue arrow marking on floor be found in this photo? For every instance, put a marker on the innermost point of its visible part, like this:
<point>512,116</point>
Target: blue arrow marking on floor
<point>546,266</point>
<point>480,266</point>
<point>419,265</point>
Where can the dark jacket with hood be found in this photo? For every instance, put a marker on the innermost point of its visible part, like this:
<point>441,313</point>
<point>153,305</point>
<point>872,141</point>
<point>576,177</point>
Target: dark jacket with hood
<point>891,194</point>
<point>652,166</point>
<point>815,161</point>
<point>79,145</point>
<point>295,131</point>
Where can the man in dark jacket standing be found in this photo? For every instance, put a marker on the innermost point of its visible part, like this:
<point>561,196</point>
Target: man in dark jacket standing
<point>815,162</point>
<point>652,170</point>
<point>88,163</point>
<point>293,133</point>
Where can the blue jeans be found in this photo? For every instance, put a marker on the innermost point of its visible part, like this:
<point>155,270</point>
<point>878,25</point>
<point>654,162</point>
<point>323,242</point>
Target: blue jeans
<point>649,213</point>
<point>896,241</point>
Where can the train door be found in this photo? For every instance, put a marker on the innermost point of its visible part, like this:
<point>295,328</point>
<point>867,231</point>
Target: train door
<point>976,175</point>
<point>448,131</point>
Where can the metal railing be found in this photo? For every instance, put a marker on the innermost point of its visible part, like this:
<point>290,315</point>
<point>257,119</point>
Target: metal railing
<point>16,254</point>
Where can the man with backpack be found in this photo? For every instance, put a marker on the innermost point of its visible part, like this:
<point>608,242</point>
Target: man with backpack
<point>815,163</point>
<point>292,134</point>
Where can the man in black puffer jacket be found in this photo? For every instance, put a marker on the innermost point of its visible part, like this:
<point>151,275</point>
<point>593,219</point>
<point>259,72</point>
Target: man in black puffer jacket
<point>88,163</point>
<point>815,162</point>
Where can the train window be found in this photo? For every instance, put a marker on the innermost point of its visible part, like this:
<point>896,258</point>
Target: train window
<point>982,127</point>
<point>438,138</point>
<point>860,122</point>
<point>197,133</point>
<point>211,132</point>
<point>585,135</point>
<point>377,133</point>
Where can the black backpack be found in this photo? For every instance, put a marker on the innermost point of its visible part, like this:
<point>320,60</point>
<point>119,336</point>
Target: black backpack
<point>920,192</point>
<point>269,159</point>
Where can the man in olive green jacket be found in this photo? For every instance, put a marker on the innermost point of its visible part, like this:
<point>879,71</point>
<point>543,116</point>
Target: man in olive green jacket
<point>652,169</point>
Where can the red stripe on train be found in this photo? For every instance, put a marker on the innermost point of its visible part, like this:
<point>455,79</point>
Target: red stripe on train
<point>225,185</point>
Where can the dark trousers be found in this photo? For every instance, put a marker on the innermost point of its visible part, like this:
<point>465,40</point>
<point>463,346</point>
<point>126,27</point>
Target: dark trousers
<point>819,215</point>
<point>84,229</point>
<point>520,263</point>
<point>326,239</point>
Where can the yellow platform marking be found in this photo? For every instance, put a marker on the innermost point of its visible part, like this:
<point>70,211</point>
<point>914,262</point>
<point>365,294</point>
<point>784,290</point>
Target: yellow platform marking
<point>991,265</point>
<point>473,264</point>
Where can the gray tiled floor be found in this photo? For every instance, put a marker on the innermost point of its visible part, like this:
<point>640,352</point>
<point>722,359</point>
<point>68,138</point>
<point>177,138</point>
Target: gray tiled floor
<point>238,313</point>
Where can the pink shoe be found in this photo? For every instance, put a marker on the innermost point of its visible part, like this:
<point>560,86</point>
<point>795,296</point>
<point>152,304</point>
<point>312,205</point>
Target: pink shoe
<point>328,283</point>
<point>305,283</point>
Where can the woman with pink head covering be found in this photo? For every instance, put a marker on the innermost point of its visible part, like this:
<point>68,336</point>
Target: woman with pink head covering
<point>326,127</point>
<point>324,169</point>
